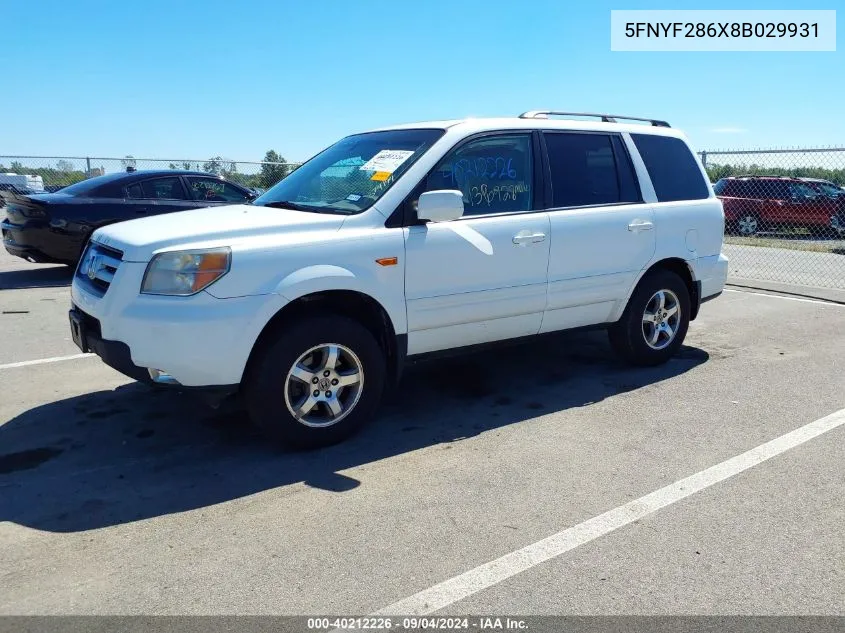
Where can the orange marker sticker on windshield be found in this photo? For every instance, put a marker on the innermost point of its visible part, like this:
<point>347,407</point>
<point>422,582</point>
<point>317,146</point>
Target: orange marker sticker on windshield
<point>380,176</point>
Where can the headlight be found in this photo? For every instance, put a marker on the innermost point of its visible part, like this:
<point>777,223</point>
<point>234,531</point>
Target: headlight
<point>185,272</point>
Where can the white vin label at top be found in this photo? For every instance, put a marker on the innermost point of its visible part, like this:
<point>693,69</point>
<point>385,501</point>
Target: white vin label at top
<point>723,30</point>
<point>387,160</point>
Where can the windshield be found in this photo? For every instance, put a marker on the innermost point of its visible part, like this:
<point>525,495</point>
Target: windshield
<point>352,174</point>
<point>829,189</point>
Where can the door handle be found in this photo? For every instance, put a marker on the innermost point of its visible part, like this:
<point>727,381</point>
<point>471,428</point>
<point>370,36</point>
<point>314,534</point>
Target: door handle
<point>640,225</point>
<point>526,237</point>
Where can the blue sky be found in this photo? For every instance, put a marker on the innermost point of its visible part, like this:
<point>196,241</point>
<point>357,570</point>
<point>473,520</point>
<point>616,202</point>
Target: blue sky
<point>193,79</point>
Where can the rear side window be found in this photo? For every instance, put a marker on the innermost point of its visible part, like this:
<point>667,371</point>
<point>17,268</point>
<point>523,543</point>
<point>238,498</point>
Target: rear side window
<point>589,169</point>
<point>163,189</point>
<point>674,171</point>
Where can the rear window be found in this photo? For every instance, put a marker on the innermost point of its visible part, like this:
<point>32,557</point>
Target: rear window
<point>675,172</point>
<point>83,188</point>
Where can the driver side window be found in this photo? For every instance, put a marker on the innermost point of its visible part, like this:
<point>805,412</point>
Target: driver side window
<point>801,191</point>
<point>494,173</point>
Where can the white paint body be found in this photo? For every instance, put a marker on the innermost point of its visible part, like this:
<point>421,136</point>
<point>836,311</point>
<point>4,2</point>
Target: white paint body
<point>472,280</point>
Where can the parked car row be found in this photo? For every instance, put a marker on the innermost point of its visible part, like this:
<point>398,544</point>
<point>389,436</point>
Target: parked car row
<point>764,203</point>
<point>54,227</point>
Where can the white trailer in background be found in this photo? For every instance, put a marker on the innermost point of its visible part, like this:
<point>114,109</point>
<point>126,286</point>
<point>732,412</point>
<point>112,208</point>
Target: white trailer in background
<point>22,182</point>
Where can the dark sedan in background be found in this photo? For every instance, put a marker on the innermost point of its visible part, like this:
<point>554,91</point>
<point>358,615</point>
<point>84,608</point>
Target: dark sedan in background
<point>54,227</point>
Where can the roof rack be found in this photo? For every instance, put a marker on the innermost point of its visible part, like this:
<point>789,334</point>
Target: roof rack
<point>607,118</point>
<point>763,176</point>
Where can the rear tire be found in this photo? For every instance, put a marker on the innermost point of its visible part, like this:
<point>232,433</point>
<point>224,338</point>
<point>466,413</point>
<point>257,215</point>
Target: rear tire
<point>655,321</point>
<point>315,382</point>
<point>748,224</point>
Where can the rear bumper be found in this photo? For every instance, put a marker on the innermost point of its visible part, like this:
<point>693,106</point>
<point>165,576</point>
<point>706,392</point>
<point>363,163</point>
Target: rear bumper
<point>713,275</point>
<point>31,241</point>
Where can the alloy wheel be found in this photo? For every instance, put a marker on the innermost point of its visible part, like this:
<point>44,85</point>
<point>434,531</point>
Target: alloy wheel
<point>324,385</point>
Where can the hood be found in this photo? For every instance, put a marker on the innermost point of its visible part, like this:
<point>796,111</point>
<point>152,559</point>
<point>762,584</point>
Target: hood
<point>211,226</point>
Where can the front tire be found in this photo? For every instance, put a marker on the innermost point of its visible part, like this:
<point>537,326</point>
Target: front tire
<point>316,382</point>
<point>655,321</point>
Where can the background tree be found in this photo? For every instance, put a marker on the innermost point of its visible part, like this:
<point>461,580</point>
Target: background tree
<point>186,165</point>
<point>229,170</point>
<point>270,174</point>
<point>716,171</point>
<point>213,165</point>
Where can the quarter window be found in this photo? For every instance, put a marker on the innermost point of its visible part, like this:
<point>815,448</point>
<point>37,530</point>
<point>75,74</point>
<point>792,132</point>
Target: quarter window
<point>675,172</point>
<point>495,174</point>
<point>589,169</point>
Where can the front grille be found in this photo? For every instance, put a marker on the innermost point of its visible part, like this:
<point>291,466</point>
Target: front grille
<point>98,267</point>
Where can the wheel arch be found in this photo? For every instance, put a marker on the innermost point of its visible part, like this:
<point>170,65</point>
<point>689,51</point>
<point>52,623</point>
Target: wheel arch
<point>680,267</point>
<point>353,304</point>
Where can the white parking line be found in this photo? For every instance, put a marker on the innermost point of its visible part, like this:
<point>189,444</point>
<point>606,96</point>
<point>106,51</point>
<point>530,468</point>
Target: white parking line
<point>42,361</point>
<point>486,575</point>
<point>777,296</point>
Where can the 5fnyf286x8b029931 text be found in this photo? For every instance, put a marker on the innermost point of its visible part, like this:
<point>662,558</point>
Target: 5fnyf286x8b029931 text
<point>722,29</point>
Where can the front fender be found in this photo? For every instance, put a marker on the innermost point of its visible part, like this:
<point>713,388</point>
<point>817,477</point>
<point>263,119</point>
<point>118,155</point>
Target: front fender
<point>315,279</point>
<point>387,289</point>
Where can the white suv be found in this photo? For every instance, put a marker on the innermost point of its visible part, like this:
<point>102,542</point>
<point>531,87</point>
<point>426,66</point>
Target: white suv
<point>401,242</point>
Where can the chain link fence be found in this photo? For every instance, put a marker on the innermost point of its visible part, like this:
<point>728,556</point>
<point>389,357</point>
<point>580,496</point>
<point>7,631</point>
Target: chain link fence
<point>33,174</point>
<point>784,208</point>
<point>784,213</point>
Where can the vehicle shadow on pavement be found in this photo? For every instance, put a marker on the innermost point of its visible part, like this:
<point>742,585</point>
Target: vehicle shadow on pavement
<point>113,457</point>
<point>47,277</point>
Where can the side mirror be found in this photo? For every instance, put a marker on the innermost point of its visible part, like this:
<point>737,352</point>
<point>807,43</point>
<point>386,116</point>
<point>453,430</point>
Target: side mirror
<point>444,205</point>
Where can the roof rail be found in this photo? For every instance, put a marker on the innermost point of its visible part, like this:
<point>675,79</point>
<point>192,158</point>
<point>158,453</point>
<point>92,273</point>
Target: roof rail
<point>607,118</point>
<point>763,176</point>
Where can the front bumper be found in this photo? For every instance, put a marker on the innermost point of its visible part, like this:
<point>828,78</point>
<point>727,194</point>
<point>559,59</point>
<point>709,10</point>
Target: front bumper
<point>200,341</point>
<point>86,333</point>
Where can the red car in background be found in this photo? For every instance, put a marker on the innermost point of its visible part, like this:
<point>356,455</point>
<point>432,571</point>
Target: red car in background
<point>764,203</point>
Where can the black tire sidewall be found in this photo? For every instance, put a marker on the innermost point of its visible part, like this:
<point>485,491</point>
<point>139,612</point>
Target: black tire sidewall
<point>627,336</point>
<point>265,381</point>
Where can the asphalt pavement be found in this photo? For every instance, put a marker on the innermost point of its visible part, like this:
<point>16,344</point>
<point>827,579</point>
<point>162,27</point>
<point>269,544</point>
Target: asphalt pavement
<point>115,499</point>
<point>801,268</point>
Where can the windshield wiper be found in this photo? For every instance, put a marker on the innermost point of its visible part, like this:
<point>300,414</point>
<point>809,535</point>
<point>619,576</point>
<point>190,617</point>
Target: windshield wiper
<point>287,204</point>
